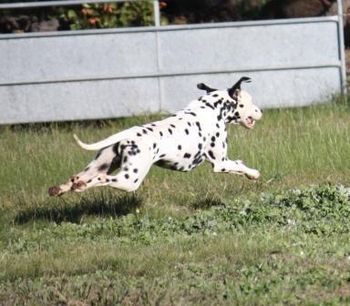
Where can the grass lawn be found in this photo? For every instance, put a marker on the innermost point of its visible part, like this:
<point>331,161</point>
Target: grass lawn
<point>198,238</point>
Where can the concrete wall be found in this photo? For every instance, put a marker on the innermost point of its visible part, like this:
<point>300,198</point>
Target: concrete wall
<point>111,73</point>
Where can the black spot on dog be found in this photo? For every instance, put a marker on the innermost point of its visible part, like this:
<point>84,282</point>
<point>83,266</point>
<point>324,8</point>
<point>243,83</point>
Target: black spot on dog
<point>217,134</point>
<point>186,131</point>
<point>103,167</point>
<point>212,144</point>
<point>209,105</point>
<point>187,155</point>
<point>150,129</point>
<point>197,160</point>
<point>125,159</point>
<point>98,154</point>
<point>116,161</point>
<point>179,147</point>
<point>154,145</point>
<point>135,170</point>
<point>200,146</point>
<point>170,131</point>
<point>199,126</point>
<point>114,180</point>
<point>161,133</point>
<point>86,169</point>
<point>211,154</point>
<point>138,134</point>
<point>126,176</point>
<point>191,113</point>
<point>144,131</point>
<point>162,155</point>
<point>223,170</point>
<point>217,103</point>
<point>173,126</point>
<point>115,148</point>
<point>136,181</point>
<point>213,138</point>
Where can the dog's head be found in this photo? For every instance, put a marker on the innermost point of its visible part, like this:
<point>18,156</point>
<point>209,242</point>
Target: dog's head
<point>236,105</point>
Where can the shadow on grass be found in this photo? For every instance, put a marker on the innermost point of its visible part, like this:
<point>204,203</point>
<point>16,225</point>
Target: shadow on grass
<point>102,205</point>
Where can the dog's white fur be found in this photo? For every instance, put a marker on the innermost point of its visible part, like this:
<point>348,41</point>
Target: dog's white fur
<point>180,142</point>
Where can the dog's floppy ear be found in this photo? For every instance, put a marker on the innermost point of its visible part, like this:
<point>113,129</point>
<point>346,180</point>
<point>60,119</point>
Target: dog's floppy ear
<point>237,86</point>
<point>208,89</point>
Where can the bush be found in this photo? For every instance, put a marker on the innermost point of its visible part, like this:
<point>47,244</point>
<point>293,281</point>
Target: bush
<point>87,16</point>
<point>111,15</point>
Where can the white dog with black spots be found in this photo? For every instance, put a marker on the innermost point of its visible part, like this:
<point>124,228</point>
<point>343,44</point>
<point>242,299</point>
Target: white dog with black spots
<point>181,142</point>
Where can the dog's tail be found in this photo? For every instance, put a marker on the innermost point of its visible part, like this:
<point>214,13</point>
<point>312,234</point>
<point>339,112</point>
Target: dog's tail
<point>97,145</point>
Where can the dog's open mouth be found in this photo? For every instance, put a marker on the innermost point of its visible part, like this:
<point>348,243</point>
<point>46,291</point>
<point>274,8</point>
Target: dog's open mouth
<point>249,122</point>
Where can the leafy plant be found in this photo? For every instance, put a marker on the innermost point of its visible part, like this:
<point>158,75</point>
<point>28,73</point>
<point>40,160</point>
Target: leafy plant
<point>108,15</point>
<point>86,16</point>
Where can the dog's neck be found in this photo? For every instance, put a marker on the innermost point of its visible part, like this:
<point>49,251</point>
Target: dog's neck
<point>223,105</point>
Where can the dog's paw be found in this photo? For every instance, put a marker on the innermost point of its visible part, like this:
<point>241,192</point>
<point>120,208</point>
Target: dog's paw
<point>253,174</point>
<point>54,191</point>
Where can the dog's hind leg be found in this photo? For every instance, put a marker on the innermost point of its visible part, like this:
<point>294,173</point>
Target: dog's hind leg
<point>106,161</point>
<point>135,162</point>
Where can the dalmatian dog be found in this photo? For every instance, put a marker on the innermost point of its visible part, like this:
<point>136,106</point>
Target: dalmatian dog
<point>180,142</point>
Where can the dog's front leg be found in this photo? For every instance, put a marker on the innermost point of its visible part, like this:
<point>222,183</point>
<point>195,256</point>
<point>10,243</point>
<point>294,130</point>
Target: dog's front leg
<point>236,167</point>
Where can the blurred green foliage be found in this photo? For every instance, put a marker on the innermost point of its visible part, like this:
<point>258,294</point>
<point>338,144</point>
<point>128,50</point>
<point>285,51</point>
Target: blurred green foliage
<point>124,14</point>
<point>85,16</point>
<point>108,15</point>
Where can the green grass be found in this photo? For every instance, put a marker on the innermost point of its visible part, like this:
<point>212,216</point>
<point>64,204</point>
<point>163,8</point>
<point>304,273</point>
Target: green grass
<point>197,238</point>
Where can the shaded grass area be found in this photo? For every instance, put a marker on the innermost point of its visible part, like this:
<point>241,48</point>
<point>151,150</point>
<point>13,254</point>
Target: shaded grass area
<point>195,238</point>
<point>96,205</point>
